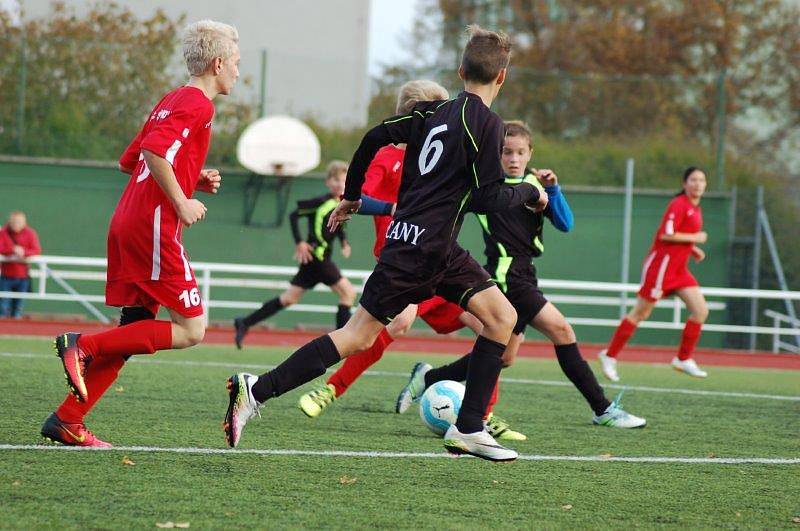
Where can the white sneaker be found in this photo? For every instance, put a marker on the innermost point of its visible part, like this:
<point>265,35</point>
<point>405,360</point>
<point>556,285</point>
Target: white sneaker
<point>241,406</point>
<point>689,367</point>
<point>616,417</point>
<point>414,389</point>
<point>609,366</point>
<point>480,444</point>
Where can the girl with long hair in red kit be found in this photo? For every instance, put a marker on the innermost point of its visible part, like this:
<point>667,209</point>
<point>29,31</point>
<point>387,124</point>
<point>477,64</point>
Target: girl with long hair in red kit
<point>665,272</point>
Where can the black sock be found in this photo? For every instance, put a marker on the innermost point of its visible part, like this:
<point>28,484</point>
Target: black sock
<point>342,315</point>
<point>456,371</point>
<point>308,362</point>
<point>485,363</point>
<point>581,375</point>
<point>268,309</point>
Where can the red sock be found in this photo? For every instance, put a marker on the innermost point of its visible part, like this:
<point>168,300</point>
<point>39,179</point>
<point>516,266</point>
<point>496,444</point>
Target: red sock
<point>624,332</point>
<point>356,364</point>
<point>691,333</point>
<point>141,337</point>
<point>492,400</point>
<point>99,377</point>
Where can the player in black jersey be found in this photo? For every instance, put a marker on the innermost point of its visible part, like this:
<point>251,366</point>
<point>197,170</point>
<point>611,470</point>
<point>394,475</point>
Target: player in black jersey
<point>513,238</point>
<point>452,159</point>
<point>314,256</point>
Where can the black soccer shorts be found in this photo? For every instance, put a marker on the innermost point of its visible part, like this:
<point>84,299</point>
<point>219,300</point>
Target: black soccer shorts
<point>316,271</point>
<point>389,289</point>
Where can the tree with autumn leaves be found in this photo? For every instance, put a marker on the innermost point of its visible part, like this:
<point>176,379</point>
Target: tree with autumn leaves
<point>80,86</point>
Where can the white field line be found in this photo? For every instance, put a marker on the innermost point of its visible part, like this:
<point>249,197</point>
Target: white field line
<point>409,455</point>
<point>521,381</point>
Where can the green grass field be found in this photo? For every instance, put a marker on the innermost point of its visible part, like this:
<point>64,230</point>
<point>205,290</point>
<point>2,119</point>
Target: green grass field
<point>177,400</point>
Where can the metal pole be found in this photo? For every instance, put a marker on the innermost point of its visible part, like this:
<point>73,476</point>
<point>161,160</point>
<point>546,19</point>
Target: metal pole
<point>721,122</point>
<point>626,237</point>
<point>23,77</point>
<point>262,109</point>
<point>776,263</point>
<point>756,263</point>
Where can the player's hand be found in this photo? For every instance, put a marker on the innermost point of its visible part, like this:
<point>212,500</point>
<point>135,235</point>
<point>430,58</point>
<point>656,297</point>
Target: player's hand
<point>190,211</point>
<point>699,254</point>
<point>302,253</point>
<point>540,204</point>
<point>210,181</point>
<point>19,251</point>
<point>346,250</point>
<point>546,177</point>
<point>701,237</point>
<point>343,212</point>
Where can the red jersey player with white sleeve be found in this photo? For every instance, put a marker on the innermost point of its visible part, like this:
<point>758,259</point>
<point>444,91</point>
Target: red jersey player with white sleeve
<point>147,264</point>
<point>665,272</point>
<point>666,265</point>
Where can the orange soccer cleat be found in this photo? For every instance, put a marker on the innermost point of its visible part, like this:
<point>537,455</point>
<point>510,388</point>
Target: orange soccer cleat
<point>57,431</point>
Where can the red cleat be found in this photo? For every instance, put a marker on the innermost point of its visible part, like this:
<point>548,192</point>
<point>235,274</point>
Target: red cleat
<point>57,431</point>
<point>75,362</point>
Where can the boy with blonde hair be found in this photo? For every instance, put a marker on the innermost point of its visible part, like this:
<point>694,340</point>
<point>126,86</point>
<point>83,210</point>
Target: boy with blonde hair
<point>147,265</point>
<point>314,256</point>
<point>453,150</point>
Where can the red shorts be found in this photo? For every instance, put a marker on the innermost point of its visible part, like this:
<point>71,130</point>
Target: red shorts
<point>662,276</point>
<point>441,315</point>
<point>179,295</point>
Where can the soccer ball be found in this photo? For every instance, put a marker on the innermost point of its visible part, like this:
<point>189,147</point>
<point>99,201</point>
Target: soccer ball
<point>440,404</point>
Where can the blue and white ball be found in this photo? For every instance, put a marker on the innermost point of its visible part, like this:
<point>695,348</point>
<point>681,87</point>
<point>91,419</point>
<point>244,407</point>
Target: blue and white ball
<point>440,405</point>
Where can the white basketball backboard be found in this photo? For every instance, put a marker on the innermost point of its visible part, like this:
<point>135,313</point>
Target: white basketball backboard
<point>278,145</point>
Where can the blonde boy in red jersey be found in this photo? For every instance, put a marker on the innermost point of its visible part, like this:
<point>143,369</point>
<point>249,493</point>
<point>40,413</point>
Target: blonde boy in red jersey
<point>147,264</point>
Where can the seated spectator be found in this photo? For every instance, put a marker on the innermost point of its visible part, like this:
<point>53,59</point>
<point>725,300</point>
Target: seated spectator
<point>17,242</point>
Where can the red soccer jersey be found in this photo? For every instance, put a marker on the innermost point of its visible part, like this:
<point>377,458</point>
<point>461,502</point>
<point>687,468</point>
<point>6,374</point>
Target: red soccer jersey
<point>681,216</point>
<point>383,182</point>
<point>144,240</point>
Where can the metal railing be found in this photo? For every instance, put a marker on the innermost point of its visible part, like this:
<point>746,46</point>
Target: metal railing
<point>49,270</point>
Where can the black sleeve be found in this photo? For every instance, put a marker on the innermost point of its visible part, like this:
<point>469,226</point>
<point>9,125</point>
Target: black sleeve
<point>496,197</point>
<point>293,221</point>
<point>489,193</point>
<point>392,131</point>
<point>305,207</point>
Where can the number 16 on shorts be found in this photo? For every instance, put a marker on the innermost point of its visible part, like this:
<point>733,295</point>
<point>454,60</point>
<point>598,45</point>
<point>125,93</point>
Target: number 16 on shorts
<point>190,298</point>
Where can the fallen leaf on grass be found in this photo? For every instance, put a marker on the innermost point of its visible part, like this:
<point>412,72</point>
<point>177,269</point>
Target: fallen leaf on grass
<point>16,484</point>
<point>738,514</point>
<point>182,525</point>
<point>127,461</point>
<point>566,507</point>
<point>712,455</point>
<point>605,456</point>
<point>119,389</point>
<point>347,480</point>
<point>165,525</point>
<point>796,520</point>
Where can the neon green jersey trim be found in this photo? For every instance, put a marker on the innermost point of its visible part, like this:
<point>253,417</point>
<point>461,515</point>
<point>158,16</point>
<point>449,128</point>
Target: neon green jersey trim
<point>464,120</point>
<point>398,119</point>
<point>323,210</point>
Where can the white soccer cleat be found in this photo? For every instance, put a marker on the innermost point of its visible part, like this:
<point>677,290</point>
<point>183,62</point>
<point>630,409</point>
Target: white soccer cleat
<point>414,389</point>
<point>480,444</point>
<point>609,366</point>
<point>616,417</point>
<point>689,367</point>
<point>241,406</point>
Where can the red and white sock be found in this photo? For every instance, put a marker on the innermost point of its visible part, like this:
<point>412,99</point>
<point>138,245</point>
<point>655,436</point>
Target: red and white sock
<point>623,333</point>
<point>689,338</point>
<point>141,337</point>
<point>355,365</point>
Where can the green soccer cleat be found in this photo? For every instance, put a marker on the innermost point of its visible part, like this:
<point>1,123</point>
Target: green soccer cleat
<point>413,390</point>
<point>616,417</point>
<point>314,402</point>
<point>498,428</point>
